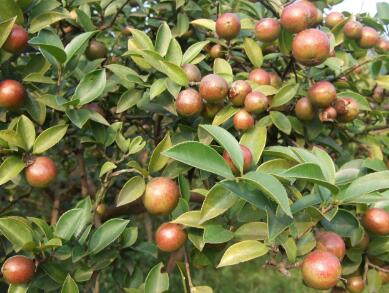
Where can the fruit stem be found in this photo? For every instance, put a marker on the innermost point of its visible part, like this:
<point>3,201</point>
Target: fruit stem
<point>187,268</point>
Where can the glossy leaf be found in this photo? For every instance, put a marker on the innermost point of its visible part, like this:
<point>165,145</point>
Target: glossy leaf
<point>49,138</point>
<point>156,281</point>
<point>17,232</point>
<point>5,29</point>
<point>253,52</point>
<point>68,224</point>
<point>193,51</point>
<point>131,191</point>
<point>69,286</point>
<point>10,168</point>
<point>90,87</point>
<point>281,121</point>
<point>157,160</point>
<point>255,140</point>
<point>284,95</point>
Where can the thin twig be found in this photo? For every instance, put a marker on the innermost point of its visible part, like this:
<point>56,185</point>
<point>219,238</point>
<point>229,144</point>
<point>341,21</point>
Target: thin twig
<point>187,268</point>
<point>12,203</point>
<point>117,14</point>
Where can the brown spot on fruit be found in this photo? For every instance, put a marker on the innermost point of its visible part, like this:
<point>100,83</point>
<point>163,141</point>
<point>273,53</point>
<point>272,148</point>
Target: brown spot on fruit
<point>256,102</point>
<point>322,94</point>
<point>228,26</point>
<point>376,220</point>
<point>170,237</point>
<point>12,94</point>
<point>247,160</point>
<point>328,114</point>
<point>304,109</point>
<point>331,242</point>
<point>213,88</point>
<point>41,173</point>
<point>347,109</point>
<point>243,120</point>
<point>189,103</point>
<point>17,40</point>
<point>18,269</point>
<point>267,30</point>
<point>238,91</point>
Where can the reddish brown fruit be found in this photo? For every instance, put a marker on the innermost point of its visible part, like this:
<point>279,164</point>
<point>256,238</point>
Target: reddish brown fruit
<point>304,110</point>
<point>311,47</point>
<point>256,102</point>
<point>95,108</point>
<point>382,45</point>
<point>12,94</point>
<point>353,29</point>
<point>376,220</point>
<point>355,284</point>
<point>161,196</point>
<point>334,18</point>
<point>211,109</point>
<point>295,18</point>
<point>384,275</point>
<point>243,120</point>
<point>267,30</point>
<point>319,18</point>
<point>41,172</point>
<point>347,109</point>
<point>170,237</point>
<point>247,160</point>
<point>322,94</point>
<point>189,103</point>
<point>259,76</point>
<point>216,51</point>
<point>378,94</point>
<point>228,26</point>
<point>313,11</point>
<point>18,269</point>
<point>275,80</point>
<point>331,242</point>
<point>328,114</point>
<point>238,91</point>
<point>213,88</point>
<point>192,72</point>
<point>364,243</point>
<point>369,38</point>
<point>95,50</point>
<point>321,270</point>
<point>17,40</point>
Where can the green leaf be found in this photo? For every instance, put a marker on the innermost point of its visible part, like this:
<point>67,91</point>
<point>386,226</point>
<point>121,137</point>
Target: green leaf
<point>12,138</point>
<point>228,142</point>
<point>199,156</point>
<point>69,286</point>
<point>23,288</point>
<point>285,40</point>
<point>190,219</point>
<point>281,121</point>
<point>106,234</point>
<point>222,68</point>
<point>78,117</point>
<point>175,73</point>
<point>26,131</point>
<point>192,52</point>
<point>205,23</point>
<point>90,87</point>
<point>142,41</point>
<point>48,138</point>
<point>9,9</point>
<point>10,168</point>
<point>216,234</point>
<point>383,81</point>
<point>252,231</point>
<point>284,95</point>
<point>174,52</point>
<point>77,44</point>
<point>68,224</point>
<point>107,166</point>
<point>253,52</point>
<point>290,248</point>
<point>157,88</point>
<point>242,251</point>
<point>131,191</point>
<point>5,29</point>
<point>374,280</point>
<point>45,19</point>
<point>255,140</point>
<point>156,281</point>
<point>49,42</point>
<point>17,231</point>
<point>157,160</point>
<point>128,100</point>
<point>344,223</point>
<point>164,36</point>
<point>224,114</point>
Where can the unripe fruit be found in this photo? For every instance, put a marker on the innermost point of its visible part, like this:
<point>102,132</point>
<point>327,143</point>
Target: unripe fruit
<point>259,76</point>
<point>213,88</point>
<point>161,196</point>
<point>216,51</point>
<point>364,243</point>
<point>304,110</point>
<point>256,102</point>
<point>313,11</point>
<point>295,18</point>
<point>211,109</point>
<point>41,172</point>
<point>247,160</point>
<point>382,45</point>
<point>18,269</point>
<point>331,242</point>
<point>170,237</point>
<point>321,270</point>
<point>17,40</point>
<point>347,109</point>
<point>333,19</point>
<point>353,29</point>
<point>322,94</point>
<point>376,220</point>
<point>12,94</point>
<point>355,284</point>
<point>189,103</point>
<point>192,72</point>
<point>243,120</point>
<point>238,91</point>
<point>328,114</point>
<point>228,26</point>
<point>311,47</point>
<point>378,94</point>
<point>275,80</point>
<point>95,50</point>
<point>369,38</point>
<point>95,108</point>
<point>100,209</point>
<point>267,29</point>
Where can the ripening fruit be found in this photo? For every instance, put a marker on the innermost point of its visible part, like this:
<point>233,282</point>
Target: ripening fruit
<point>376,220</point>
<point>369,38</point>
<point>347,109</point>
<point>267,30</point>
<point>228,26</point>
<point>95,108</point>
<point>12,94</point>
<point>382,45</point>
<point>331,242</point>
<point>189,103</point>
<point>363,244</point>
<point>213,88</point>
<point>295,18</point>
<point>304,110</point>
<point>41,172</point>
<point>161,196</point>
<point>384,275</point>
<point>18,269</point>
<point>313,11</point>
<point>275,80</point>
<point>243,120</point>
<point>247,160</point>
<point>95,50</point>
<point>353,29</point>
<point>259,76</point>
<point>211,109</point>
<point>192,72</point>
<point>334,18</point>
<point>322,94</point>
<point>355,284</point>
<point>319,17</point>
<point>378,94</point>
<point>328,114</point>
<point>256,102</point>
<point>17,40</point>
<point>73,15</point>
<point>216,51</point>
<point>170,237</point>
<point>321,270</point>
<point>127,30</point>
<point>238,91</point>
<point>101,209</point>
<point>311,47</point>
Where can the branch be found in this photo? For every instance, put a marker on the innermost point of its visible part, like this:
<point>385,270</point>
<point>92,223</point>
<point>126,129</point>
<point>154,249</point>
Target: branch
<point>354,67</point>
<point>187,268</point>
<point>12,203</point>
<point>55,210</point>
<point>117,14</point>
<point>173,259</point>
<point>87,187</point>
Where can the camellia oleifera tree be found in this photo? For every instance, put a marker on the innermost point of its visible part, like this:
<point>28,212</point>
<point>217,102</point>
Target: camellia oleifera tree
<point>138,137</point>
